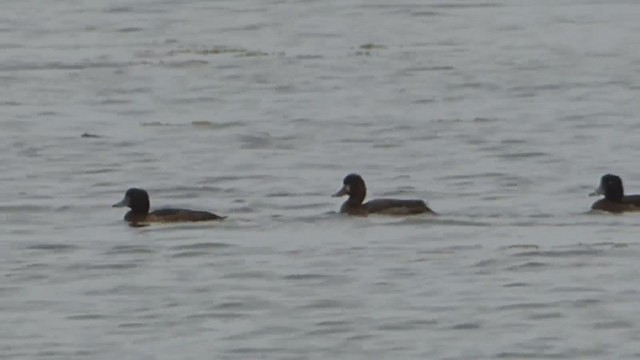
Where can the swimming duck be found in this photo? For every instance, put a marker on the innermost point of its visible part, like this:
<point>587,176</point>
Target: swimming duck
<point>614,199</point>
<point>138,201</point>
<point>353,185</point>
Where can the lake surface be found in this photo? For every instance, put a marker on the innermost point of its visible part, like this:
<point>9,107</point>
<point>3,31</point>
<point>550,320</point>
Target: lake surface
<point>502,115</point>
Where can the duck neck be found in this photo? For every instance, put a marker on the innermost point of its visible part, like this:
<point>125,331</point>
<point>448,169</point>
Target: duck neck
<point>356,197</point>
<point>615,194</point>
<point>140,208</point>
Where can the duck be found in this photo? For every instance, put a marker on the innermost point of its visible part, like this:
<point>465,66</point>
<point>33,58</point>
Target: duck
<point>354,186</point>
<point>138,201</point>
<point>615,201</point>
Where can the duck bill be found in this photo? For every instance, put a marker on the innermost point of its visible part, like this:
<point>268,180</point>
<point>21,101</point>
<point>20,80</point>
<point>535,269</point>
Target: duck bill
<point>598,191</point>
<point>342,192</point>
<point>123,203</point>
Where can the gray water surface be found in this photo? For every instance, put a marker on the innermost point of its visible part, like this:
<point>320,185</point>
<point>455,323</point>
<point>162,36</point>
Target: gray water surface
<point>502,115</point>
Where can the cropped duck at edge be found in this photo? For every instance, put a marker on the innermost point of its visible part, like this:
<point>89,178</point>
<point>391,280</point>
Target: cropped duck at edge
<point>354,186</point>
<point>614,199</point>
<point>138,201</point>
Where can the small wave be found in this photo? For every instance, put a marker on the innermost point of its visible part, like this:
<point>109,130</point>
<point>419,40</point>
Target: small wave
<point>327,304</point>
<point>113,266</point>
<point>217,315</point>
<point>466,326</point>
<point>562,253</point>
<point>247,275</point>
<point>202,246</point>
<point>129,249</point>
<point>53,247</point>
<point>525,306</point>
<point>189,254</point>
<point>307,277</point>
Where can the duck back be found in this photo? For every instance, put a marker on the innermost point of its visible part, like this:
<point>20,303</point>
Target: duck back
<point>397,207</point>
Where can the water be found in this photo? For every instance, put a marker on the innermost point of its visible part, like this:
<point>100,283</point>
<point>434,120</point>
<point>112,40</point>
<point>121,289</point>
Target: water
<point>502,115</point>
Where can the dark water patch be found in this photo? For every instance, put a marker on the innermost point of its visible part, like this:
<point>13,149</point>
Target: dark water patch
<point>528,265</point>
<point>329,331</point>
<point>309,57</point>
<point>53,247</point>
<point>282,194</point>
<point>545,316</point>
<point>158,123</point>
<point>470,5</point>
<point>257,351</point>
<point>485,263</point>
<point>429,68</point>
<point>387,145</point>
<point>532,355</point>
<point>328,304</point>
<point>425,13</point>
<point>265,141</point>
<point>61,66</point>
<point>526,306</point>
<point>202,246</point>
<point>516,284</point>
<point>614,324</point>
<point>513,141</point>
<point>413,324</point>
<point>233,178</point>
<point>119,9</point>
<point>87,317</point>
<point>576,289</point>
<point>357,141</point>
<point>581,303</point>
<point>129,29</point>
<point>7,290</point>
<point>565,253</point>
<point>134,112</point>
<point>113,266</point>
<point>87,135</point>
<point>192,100</point>
<point>248,275</point>
<point>132,325</point>
<point>28,208</point>
<point>115,102</point>
<point>8,46</point>
<point>123,91</point>
<point>610,244</point>
<point>466,326</point>
<point>180,64</point>
<point>237,52</point>
<point>371,46</point>
<point>269,330</point>
<point>100,171</point>
<point>302,206</point>
<point>483,175</point>
<point>431,219</point>
<point>182,192</point>
<point>129,249</point>
<point>424,101</point>
<point>520,246</point>
<point>450,249</point>
<point>123,289</point>
<point>332,323</point>
<point>231,305</point>
<point>190,254</point>
<point>307,277</point>
<point>217,315</point>
<point>204,124</point>
<point>521,155</point>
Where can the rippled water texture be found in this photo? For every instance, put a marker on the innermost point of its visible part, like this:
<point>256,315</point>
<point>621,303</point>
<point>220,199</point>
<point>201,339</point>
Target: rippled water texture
<point>503,115</point>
